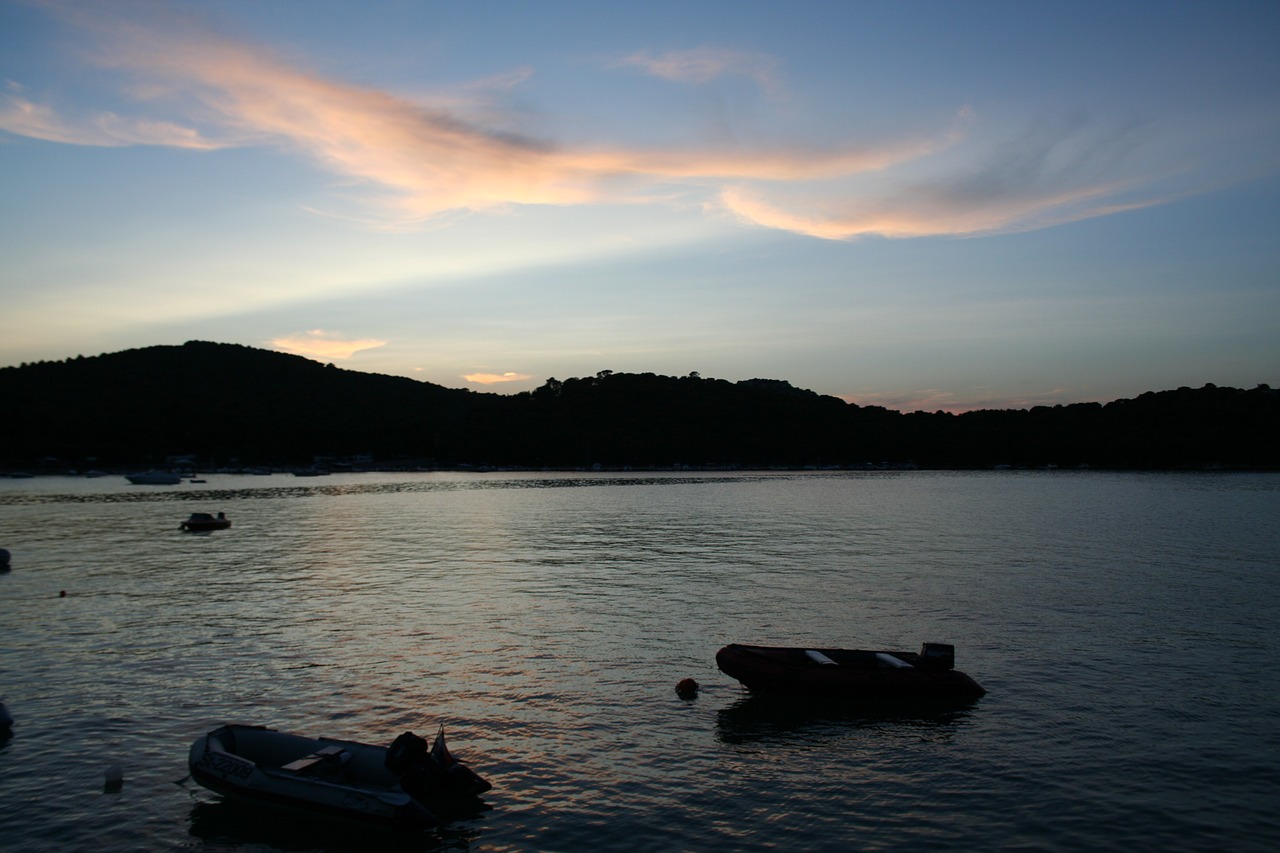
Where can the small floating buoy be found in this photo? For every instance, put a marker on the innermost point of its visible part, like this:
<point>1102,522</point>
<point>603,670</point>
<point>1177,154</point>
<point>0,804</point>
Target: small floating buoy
<point>62,594</point>
<point>686,688</point>
<point>113,779</point>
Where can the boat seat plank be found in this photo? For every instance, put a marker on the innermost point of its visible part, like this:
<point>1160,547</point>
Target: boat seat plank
<point>819,658</point>
<point>312,759</point>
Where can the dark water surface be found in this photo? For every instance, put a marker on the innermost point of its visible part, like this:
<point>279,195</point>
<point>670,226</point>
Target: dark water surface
<point>1124,624</point>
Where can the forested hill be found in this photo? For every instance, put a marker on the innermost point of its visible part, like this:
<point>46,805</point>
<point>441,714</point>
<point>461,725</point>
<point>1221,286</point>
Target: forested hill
<point>226,404</point>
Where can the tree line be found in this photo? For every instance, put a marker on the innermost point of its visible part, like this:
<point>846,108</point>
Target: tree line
<point>226,404</point>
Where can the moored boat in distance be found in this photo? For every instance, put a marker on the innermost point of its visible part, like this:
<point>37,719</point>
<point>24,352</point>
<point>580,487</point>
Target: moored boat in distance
<point>154,478</point>
<point>404,784</point>
<point>849,674</point>
<point>201,521</point>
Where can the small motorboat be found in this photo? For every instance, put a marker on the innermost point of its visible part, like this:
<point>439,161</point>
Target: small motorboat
<point>404,784</point>
<point>849,674</point>
<point>154,478</point>
<point>202,521</point>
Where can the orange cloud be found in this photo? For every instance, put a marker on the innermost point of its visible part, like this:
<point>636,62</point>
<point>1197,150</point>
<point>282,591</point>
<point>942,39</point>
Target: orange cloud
<point>495,378</point>
<point>318,343</point>
<point>432,159</point>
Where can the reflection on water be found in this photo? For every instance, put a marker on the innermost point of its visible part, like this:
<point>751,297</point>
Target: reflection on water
<point>233,824</point>
<point>98,491</point>
<point>769,719</point>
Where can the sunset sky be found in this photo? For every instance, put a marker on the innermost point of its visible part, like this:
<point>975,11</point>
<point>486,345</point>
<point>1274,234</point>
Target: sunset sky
<point>921,205</point>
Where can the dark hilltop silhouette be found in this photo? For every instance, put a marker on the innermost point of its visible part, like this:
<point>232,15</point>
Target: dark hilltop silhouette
<point>225,405</point>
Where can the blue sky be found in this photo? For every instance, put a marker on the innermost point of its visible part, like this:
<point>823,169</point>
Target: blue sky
<point>937,205</point>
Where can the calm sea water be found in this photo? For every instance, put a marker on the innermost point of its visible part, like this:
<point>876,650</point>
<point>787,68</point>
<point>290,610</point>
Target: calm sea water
<point>1124,625</point>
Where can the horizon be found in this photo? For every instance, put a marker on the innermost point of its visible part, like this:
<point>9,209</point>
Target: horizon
<point>926,206</point>
<point>1182,387</point>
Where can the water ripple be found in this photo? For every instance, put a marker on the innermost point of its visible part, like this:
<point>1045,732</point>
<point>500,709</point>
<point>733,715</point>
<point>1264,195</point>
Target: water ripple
<point>1120,622</point>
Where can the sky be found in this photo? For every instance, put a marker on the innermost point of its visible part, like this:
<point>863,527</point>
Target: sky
<point>919,205</point>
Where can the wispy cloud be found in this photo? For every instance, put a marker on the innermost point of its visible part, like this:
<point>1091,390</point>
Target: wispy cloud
<point>24,117</point>
<point>1047,175</point>
<point>318,343</point>
<point>496,378</point>
<point>704,64</point>
<point>423,160</point>
<point>903,216</point>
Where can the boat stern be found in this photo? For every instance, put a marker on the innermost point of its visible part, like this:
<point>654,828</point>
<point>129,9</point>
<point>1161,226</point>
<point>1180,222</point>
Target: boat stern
<point>216,768</point>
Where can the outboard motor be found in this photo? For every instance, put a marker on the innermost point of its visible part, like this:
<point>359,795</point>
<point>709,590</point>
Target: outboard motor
<point>425,773</point>
<point>937,656</point>
<point>404,752</point>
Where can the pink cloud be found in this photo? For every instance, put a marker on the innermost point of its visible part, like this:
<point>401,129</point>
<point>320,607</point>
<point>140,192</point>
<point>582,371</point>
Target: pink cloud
<point>496,378</point>
<point>318,343</point>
